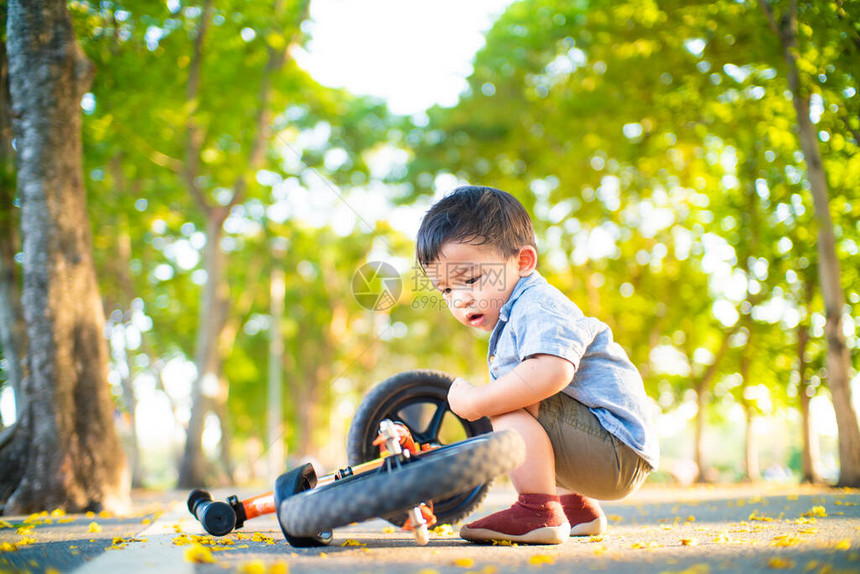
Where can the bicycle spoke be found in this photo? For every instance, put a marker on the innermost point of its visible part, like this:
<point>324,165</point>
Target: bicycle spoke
<point>432,430</point>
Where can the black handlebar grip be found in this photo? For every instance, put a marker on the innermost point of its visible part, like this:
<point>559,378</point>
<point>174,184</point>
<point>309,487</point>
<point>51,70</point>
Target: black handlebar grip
<point>217,518</point>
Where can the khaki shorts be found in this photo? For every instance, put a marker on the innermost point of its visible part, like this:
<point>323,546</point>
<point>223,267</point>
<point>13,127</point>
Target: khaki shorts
<point>588,459</point>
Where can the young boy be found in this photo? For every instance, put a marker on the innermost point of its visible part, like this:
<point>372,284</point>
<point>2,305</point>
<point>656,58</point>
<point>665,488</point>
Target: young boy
<point>557,377</point>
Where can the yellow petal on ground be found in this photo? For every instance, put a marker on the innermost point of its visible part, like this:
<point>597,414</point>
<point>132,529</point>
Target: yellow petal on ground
<point>253,567</point>
<point>641,545</point>
<point>199,554</point>
<point>7,547</point>
<point>389,530</point>
<point>444,530</point>
<point>844,544</point>
<point>94,527</point>
<point>786,540</point>
<point>351,542</point>
<point>57,512</point>
<point>24,530</point>
<point>464,562</point>
<point>818,511</point>
<point>702,568</point>
<point>540,559</point>
<point>279,568</point>
<point>4,524</point>
<point>689,542</point>
<point>780,563</point>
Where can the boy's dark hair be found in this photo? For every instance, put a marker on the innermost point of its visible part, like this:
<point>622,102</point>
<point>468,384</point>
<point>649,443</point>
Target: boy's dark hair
<point>475,215</point>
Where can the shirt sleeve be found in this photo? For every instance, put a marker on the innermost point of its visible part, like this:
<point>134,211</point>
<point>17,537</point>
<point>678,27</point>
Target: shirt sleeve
<point>544,328</point>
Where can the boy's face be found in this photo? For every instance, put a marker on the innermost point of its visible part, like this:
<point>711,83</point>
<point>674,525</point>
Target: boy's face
<point>476,280</point>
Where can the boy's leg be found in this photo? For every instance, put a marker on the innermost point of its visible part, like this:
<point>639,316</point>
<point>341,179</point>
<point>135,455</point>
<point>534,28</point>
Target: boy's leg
<point>537,473</point>
<point>537,517</point>
<point>585,515</point>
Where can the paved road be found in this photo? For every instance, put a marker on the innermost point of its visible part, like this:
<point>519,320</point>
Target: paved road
<point>694,531</point>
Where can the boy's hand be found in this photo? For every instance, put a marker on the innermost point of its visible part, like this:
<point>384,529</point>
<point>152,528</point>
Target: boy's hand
<point>462,397</point>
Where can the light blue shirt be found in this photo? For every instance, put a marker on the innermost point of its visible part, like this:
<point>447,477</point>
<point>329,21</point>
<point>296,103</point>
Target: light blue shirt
<point>540,319</point>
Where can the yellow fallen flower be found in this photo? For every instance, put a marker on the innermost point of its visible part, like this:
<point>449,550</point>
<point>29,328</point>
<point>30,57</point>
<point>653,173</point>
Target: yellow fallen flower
<point>702,568</point>
<point>540,559</point>
<point>464,562</point>
<point>351,542</point>
<point>844,544</point>
<point>7,547</point>
<point>4,524</point>
<point>689,542</point>
<point>818,511</point>
<point>444,530</point>
<point>786,540</point>
<point>199,554</point>
<point>780,563</point>
<point>94,527</point>
<point>253,567</point>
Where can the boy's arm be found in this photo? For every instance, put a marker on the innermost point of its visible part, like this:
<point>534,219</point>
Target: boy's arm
<point>535,379</point>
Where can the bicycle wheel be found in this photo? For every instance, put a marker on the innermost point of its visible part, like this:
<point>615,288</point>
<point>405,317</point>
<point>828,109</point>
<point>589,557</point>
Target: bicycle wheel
<point>419,400</point>
<point>426,476</point>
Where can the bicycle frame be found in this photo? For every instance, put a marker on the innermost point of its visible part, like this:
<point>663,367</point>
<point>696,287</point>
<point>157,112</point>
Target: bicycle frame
<point>395,442</point>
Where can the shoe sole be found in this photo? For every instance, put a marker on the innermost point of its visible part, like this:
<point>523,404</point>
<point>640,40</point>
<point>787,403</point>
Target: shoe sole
<point>543,535</point>
<point>593,528</point>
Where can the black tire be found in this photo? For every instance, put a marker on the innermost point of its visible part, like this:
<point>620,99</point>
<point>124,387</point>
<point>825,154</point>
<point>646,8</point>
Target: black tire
<point>288,484</point>
<point>388,400</point>
<point>427,476</point>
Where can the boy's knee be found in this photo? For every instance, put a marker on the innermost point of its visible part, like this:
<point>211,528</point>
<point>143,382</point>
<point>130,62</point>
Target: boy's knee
<point>519,419</point>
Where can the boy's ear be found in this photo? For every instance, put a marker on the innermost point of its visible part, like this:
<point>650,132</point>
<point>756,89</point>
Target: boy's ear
<point>527,260</point>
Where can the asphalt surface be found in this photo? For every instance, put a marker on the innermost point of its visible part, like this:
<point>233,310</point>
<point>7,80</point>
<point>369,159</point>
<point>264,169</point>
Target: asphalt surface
<point>698,530</point>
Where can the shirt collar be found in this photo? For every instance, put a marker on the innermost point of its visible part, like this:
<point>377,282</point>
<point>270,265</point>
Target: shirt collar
<point>524,283</point>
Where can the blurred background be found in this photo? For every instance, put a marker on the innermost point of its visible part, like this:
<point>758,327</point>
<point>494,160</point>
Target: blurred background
<point>245,159</point>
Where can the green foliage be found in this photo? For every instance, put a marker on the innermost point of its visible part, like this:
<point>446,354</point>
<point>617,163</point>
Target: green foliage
<point>653,142</point>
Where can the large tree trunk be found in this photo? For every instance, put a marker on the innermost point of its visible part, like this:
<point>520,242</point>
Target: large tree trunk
<point>65,451</point>
<point>12,331</point>
<point>838,355</point>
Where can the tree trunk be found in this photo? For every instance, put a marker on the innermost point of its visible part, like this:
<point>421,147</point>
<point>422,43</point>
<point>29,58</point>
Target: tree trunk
<point>699,452</point>
<point>702,389</point>
<point>65,451</point>
<point>194,469</point>
<point>12,331</point>
<point>838,356</point>
<point>810,455</point>
<point>751,463</point>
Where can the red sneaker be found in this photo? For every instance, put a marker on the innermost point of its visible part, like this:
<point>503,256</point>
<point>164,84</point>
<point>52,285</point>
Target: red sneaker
<point>584,514</point>
<point>533,519</point>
